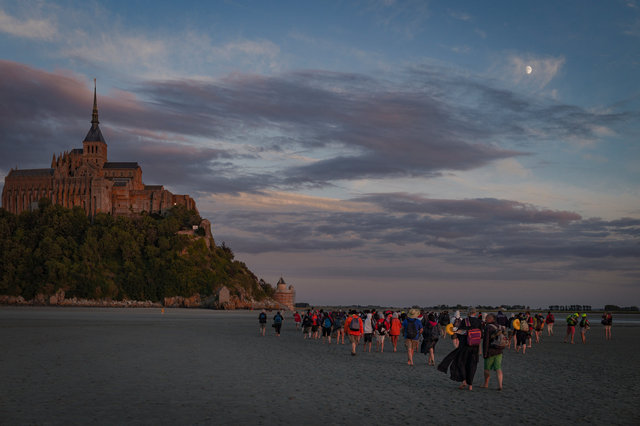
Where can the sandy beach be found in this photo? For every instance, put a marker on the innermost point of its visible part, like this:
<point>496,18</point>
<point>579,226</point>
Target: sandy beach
<point>140,366</point>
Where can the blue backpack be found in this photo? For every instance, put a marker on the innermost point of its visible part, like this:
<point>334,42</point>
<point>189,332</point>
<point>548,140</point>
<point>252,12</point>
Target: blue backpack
<point>327,322</point>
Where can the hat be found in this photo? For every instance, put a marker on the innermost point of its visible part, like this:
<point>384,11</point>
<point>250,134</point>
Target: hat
<point>584,315</point>
<point>413,313</point>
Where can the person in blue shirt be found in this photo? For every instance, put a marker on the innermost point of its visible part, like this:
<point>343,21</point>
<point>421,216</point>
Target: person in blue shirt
<point>412,327</point>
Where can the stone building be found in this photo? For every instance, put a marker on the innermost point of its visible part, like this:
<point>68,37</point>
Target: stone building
<point>285,296</point>
<point>84,177</point>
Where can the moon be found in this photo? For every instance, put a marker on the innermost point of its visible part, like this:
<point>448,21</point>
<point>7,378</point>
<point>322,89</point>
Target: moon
<point>528,69</point>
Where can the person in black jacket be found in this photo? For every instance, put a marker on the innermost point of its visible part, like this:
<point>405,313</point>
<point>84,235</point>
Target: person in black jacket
<point>462,362</point>
<point>492,355</point>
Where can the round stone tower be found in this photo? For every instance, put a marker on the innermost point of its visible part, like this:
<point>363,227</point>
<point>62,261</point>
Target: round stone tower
<point>285,295</point>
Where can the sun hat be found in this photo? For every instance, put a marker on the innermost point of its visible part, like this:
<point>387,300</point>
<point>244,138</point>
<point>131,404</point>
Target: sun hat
<point>413,313</point>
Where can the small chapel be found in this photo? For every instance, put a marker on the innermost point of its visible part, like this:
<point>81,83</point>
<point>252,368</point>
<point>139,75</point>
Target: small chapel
<point>84,177</point>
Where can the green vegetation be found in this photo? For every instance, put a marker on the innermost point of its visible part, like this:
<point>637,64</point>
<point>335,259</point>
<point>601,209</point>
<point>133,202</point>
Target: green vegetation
<point>140,258</point>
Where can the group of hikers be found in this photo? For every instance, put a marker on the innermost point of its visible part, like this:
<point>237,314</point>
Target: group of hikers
<point>478,334</point>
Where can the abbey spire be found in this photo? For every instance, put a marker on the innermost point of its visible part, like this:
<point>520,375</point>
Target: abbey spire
<point>94,117</point>
<point>95,135</point>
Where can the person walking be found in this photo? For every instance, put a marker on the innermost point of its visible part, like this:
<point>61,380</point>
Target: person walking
<point>338,326</point>
<point>262,320</point>
<point>443,321</point>
<point>462,362</point>
<point>549,320</point>
<point>584,326</point>
<point>522,333</point>
<point>327,323</point>
<point>572,321</point>
<point>430,336</point>
<point>492,347</point>
<point>354,328</point>
<point>412,331</point>
<point>395,329</point>
<point>368,331</point>
<point>277,323</point>
<point>607,320</point>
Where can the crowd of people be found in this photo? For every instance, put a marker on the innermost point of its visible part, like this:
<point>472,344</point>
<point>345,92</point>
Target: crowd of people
<point>477,334</point>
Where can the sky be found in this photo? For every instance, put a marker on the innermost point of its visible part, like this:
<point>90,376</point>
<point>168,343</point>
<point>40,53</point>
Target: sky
<point>369,152</point>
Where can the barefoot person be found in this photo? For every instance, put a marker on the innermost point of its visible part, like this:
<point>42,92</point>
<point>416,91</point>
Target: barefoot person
<point>412,331</point>
<point>572,320</point>
<point>492,351</point>
<point>277,322</point>
<point>607,320</point>
<point>338,326</point>
<point>395,330</point>
<point>584,326</point>
<point>262,320</point>
<point>462,362</point>
<point>522,333</point>
<point>430,336</point>
<point>297,319</point>
<point>354,329</point>
<point>550,319</point>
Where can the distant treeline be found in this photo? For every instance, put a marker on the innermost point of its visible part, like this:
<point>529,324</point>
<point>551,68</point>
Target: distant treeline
<point>139,258</point>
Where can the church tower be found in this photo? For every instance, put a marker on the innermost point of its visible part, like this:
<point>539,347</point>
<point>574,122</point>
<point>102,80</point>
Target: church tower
<point>94,147</point>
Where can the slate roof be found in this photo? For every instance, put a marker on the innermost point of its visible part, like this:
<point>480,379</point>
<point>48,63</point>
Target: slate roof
<point>120,165</point>
<point>94,135</point>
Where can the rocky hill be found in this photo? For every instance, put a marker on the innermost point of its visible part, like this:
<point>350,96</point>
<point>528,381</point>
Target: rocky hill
<point>59,256</point>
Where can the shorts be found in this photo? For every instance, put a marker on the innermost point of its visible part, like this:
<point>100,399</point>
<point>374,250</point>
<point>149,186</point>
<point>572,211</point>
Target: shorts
<point>307,329</point>
<point>263,325</point>
<point>314,328</point>
<point>368,337</point>
<point>326,331</point>
<point>353,338</point>
<point>411,344</point>
<point>493,363</point>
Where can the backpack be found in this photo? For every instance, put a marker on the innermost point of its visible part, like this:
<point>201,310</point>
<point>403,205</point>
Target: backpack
<point>444,319</point>
<point>337,322</point>
<point>524,325</point>
<point>434,333</point>
<point>498,338</point>
<point>277,319</point>
<point>262,317</point>
<point>354,325</point>
<point>412,329</point>
<point>474,335</point>
<point>327,322</point>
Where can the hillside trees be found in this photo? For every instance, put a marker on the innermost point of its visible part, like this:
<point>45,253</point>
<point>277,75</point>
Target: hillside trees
<point>139,258</point>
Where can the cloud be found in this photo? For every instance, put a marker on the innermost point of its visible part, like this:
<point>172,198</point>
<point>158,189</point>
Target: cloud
<point>346,126</point>
<point>454,232</point>
<point>30,28</point>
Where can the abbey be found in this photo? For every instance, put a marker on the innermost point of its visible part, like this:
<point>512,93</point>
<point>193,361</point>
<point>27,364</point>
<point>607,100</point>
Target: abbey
<point>83,177</point>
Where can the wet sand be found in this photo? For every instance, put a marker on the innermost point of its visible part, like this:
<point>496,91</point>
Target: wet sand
<point>139,366</point>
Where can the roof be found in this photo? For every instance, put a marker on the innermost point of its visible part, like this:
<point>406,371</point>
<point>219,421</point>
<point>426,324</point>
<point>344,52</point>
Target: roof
<point>121,165</point>
<point>77,151</point>
<point>281,281</point>
<point>94,135</point>
<point>31,172</point>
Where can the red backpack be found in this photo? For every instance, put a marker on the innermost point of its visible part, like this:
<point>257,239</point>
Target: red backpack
<point>474,335</point>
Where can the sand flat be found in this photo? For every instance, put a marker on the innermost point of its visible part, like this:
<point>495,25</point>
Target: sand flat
<point>139,366</point>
